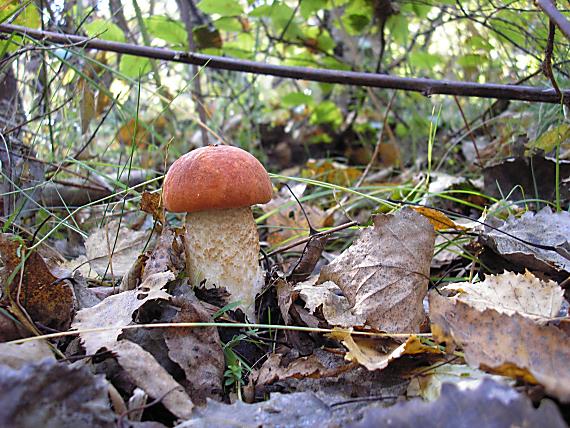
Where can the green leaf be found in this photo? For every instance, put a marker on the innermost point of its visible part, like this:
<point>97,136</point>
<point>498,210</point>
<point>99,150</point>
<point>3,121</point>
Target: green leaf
<point>134,66</point>
<point>221,7</point>
<point>281,16</point>
<point>327,112</point>
<point>421,10</point>
<point>471,60</point>
<point>169,30</point>
<point>308,7</point>
<point>105,30</point>
<point>424,60</point>
<point>548,141</point>
<point>28,17</point>
<point>398,26</point>
<point>294,99</point>
<point>357,15</point>
<point>229,24</point>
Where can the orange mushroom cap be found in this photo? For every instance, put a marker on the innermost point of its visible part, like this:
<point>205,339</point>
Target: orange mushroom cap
<point>215,177</point>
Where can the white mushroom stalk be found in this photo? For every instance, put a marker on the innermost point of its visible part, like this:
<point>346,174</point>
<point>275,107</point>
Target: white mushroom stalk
<point>215,186</point>
<point>222,249</point>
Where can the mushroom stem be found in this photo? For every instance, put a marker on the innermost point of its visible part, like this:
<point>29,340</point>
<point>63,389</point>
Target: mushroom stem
<point>222,247</point>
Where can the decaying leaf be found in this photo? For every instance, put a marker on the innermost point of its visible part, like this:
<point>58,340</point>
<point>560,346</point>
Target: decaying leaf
<point>198,351</point>
<point>152,378</point>
<point>490,405</point>
<point>512,345</point>
<point>281,410</point>
<point>334,307</point>
<point>309,259</point>
<point>509,292</point>
<point>112,249</point>
<point>428,382</point>
<point>438,219</point>
<point>45,299</point>
<point>151,204</point>
<point>377,353</point>
<point>288,219</point>
<point>544,228</point>
<point>274,369</point>
<point>167,254</point>
<point>117,311</point>
<point>384,274</point>
<point>53,395</point>
<point>16,355</point>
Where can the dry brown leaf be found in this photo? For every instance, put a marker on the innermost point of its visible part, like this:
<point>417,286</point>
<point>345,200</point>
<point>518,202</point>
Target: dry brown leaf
<point>86,105</point>
<point>289,221</point>
<point>198,351</point>
<point>47,300</point>
<point>151,204</point>
<point>510,292</point>
<point>273,369</point>
<point>151,377</point>
<point>377,353</point>
<point>438,220</point>
<point>16,356</point>
<point>117,311</point>
<point>384,274</point>
<point>334,306</point>
<point>49,394</point>
<point>167,254</point>
<point>512,345</point>
<point>112,253</point>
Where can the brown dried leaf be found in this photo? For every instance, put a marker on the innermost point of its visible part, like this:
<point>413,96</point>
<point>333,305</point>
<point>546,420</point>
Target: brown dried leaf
<point>384,274</point>
<point>289,221</point>
<point>151,377</point>
<point>334,307</point>
<point>53,395</point>
<point>509,292</point>
<point>512,345</point>
<point>198,351</point>
<point>490,405</point>
<point>273,369</point>
<point>377,353</point>
<point>167,255</point>
<point>111,252</point>
<point>117,311</point>
<point>47,300</point>
<point>151,204</point>
<point>543,228</point>
<point>438,220</point>
<point>15,356</point>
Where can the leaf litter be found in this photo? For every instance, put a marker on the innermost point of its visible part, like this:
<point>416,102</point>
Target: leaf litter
<point>504,324</point>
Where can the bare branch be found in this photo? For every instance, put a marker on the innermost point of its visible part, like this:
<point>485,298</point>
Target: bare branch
<point>425,86</point>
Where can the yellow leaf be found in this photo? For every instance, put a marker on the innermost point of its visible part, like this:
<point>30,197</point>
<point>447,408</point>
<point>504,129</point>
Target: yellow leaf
<point>438,219</point>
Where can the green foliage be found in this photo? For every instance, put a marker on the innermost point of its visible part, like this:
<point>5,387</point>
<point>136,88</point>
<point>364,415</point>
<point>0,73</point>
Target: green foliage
<point>327,112</point>
<point>134,66</point>
<point>104,29</point>
<point>221,7</point>
<point>27,15</point>
<point>167,29</point>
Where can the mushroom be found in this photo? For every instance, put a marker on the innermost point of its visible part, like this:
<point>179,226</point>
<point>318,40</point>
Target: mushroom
<point>215,186</point>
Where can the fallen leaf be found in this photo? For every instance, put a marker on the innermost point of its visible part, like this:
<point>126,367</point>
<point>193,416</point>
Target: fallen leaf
<point>112,249</point>
<point>510,293</point>
<point>328,297</point>
<point>384,274</point>
<point>47,300</point>
<point>428,382</point>
<point>543,228</point>
<point>167,254</point>
<point>273,369</point>
<point>17,355</point>
<point>281,410</point>
<point>490,405</point>
<point>117,311</point>
<point>151,204</point>
<point>438,219</point>
<point>198,352</point>
<point>377,353</point>
<point>53,395</point>
<point>152,378</point>
<point>512,345</point>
